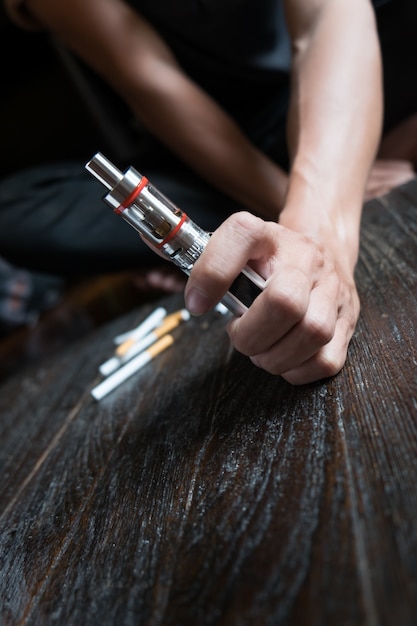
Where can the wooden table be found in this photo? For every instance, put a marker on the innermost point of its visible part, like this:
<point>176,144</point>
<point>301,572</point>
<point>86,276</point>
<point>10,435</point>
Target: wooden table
<point>204,491</point>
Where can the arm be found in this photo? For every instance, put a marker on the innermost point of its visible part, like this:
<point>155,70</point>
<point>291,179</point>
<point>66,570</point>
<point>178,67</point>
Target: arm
<point>130,55</point>
<point>335,118</point>
<point>301,325</point>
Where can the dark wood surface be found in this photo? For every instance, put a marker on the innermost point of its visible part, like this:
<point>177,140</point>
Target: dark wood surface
<point>204,491</point>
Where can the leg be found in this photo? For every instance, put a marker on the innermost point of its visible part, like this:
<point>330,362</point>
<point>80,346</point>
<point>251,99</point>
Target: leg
<point>53,219</point>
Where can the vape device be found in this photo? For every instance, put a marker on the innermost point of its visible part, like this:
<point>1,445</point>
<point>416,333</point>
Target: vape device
<point>165,227</point>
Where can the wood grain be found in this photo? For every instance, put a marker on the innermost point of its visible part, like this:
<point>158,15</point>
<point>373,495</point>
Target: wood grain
<point>204,491</point>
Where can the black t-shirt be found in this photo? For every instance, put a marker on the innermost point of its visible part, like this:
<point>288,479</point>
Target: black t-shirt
<point>236,50</point>
<point>240,37</point>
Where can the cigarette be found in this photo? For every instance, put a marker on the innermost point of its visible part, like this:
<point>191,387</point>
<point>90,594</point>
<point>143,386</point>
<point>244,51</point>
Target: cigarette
<point>148,324</point>
<point>169,323</point>
<point>131,367</point>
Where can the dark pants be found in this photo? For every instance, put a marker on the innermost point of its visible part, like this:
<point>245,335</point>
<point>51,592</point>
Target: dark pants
<point>52,219</point>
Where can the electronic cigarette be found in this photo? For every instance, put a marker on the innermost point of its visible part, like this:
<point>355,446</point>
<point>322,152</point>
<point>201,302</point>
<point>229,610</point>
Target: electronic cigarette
<point>165,227</point>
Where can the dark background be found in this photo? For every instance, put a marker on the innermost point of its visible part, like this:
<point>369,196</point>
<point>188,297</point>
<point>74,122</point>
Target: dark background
<point>44,118</point>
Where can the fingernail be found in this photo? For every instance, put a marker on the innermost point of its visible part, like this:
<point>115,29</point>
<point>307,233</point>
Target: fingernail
<point>197,302</point>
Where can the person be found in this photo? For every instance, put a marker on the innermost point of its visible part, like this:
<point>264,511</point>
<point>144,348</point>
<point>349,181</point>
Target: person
<point>265,115</point>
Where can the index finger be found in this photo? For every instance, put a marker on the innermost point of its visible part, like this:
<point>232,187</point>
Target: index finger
<point>241,238</point>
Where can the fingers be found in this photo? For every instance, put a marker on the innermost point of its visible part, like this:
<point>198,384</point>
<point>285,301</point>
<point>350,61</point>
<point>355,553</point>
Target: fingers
<point>300,325</point>
<point>167,279</point>
<point>387,174</point>
<point>307,334</point>
<point>328,361</point>
<point>316,348</point>
<point>240,238</point>
<point>281,306</point>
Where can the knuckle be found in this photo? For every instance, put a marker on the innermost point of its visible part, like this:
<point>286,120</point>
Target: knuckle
<point>319,369</point>
<point>208,267</point>
<point>320,331</point>
<point>214,271</point>
<point>263,362</point>
<point>243,220</point>
<point>329,363</point>
<point>246,228</point>
<point>289,299</point>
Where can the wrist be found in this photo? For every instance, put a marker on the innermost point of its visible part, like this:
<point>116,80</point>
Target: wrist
<point>332,222</point>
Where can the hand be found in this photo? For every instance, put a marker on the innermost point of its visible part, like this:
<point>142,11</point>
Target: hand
<point>300,326</point>
<point>387,174</point>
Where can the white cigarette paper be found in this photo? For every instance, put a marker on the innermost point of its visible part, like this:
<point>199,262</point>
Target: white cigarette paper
<point>121,357</point>
<point>148,324</point>
<point>131,367</point>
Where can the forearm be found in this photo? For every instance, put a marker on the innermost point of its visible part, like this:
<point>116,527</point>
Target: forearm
<point>131,56</point>
<point>334,123</point>
<point>194,127</point>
